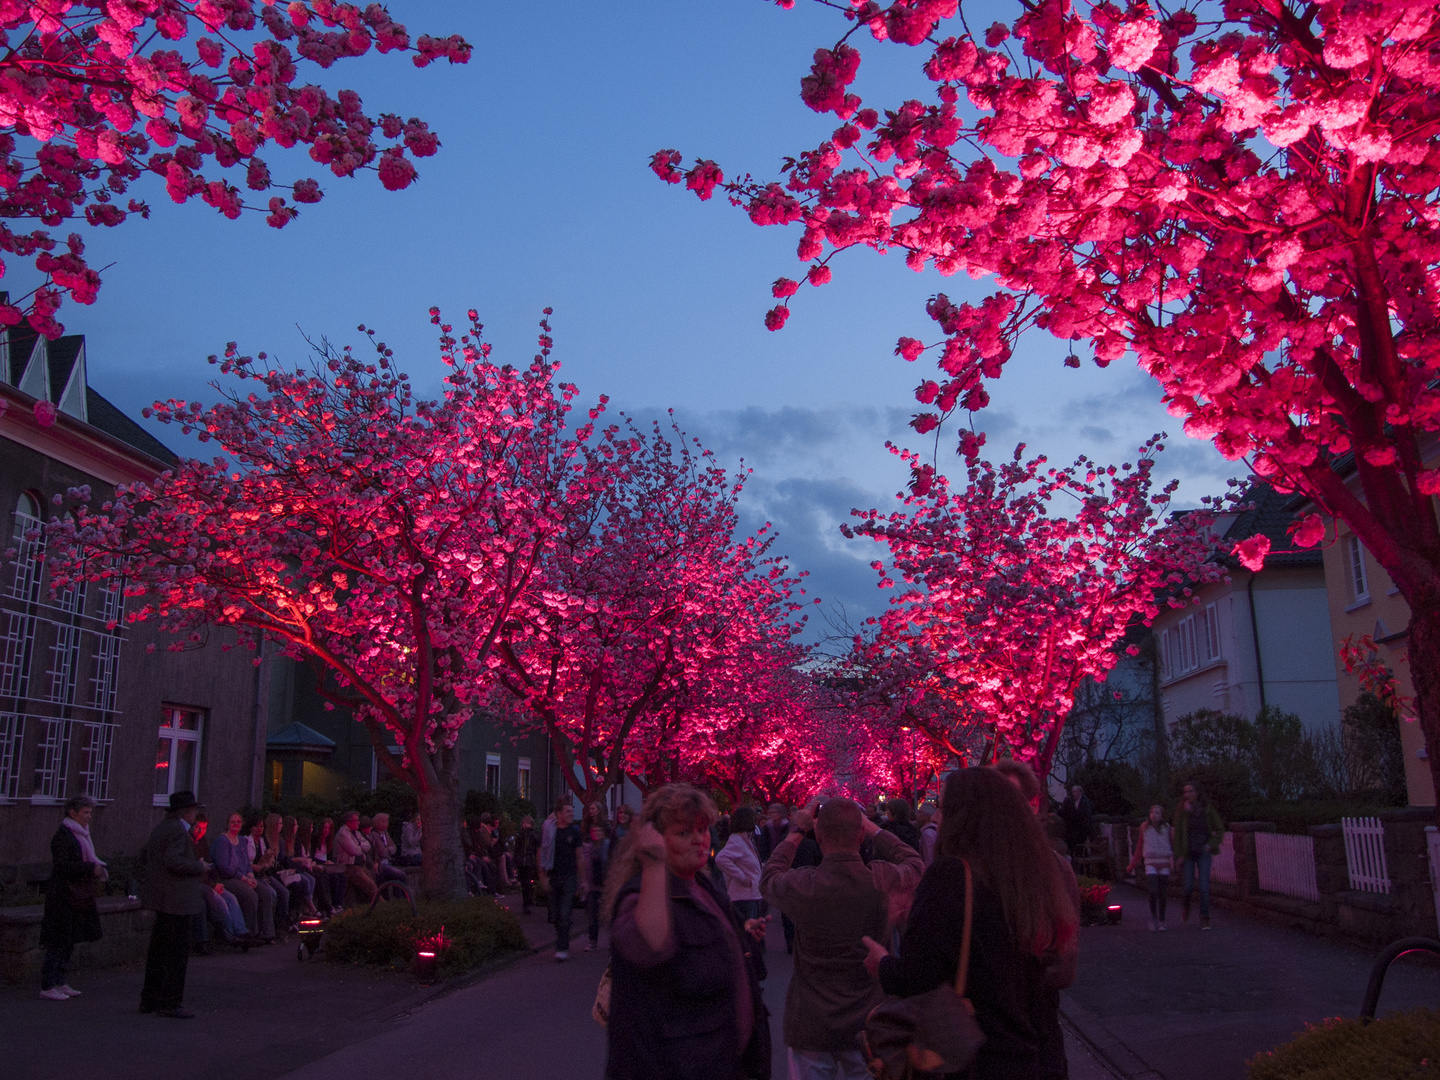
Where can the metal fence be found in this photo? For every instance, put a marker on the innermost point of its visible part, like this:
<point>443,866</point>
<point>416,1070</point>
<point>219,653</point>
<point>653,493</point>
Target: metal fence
<point>1286,865</point>
<point>1365,854</point>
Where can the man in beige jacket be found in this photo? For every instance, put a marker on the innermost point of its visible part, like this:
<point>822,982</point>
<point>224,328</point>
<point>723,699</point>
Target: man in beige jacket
<point>835,905</point>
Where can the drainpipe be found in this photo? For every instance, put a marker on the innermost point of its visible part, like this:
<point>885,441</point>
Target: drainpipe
<point>1255,637</point>
<point>260,719</point>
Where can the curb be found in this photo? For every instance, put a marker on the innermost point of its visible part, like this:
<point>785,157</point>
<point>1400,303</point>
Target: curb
<point>1123,1062</point>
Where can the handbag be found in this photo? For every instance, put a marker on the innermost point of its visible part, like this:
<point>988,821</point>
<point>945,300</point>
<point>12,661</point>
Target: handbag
<point>930,1033</point>
<point>601,1009</point>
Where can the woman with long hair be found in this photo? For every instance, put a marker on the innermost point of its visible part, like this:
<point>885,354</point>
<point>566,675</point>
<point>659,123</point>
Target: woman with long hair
<point>685,1002</point>
<point>621,826</point>
<point>1024,924</point>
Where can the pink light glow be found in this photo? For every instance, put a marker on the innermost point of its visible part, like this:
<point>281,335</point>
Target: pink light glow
<point>427,956</point>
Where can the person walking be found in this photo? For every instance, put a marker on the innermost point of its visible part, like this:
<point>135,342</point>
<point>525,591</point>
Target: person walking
<point>527,862</point>
<point>172,888</point>
<point>1155,852</point>
<point>594,862</point>
<point>928,818</point>
<point>1199,830</point>
<point>564,874</point>
<point>685,1002</point>
<point>740,865</point>
<point>1024,922</point>
<point>835,906</point>
<point>71,916</point>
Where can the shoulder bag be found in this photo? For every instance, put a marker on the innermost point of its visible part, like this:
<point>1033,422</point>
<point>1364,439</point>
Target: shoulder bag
<point>930,1033</point>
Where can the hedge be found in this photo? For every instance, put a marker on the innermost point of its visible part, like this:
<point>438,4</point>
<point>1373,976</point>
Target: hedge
<point>478,929</point>
<point>1399,1047</point>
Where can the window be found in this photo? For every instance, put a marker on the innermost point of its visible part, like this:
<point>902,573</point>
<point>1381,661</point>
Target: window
<point>95,753</point>
<point>1192,644</point>
<point>492,773</point>
<point>12,738</point>
<point>177,759</point>
<point>1211,635</point>
<point>523,778</point>
<point>52,760</point>
<point>1355,559</point>
<point>64,657</point>
<point>103,682</point>
<point>29,550</point>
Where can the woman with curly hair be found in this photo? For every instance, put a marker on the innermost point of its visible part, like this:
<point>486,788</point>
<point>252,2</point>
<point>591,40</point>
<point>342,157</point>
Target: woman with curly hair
<point>685,1000</point>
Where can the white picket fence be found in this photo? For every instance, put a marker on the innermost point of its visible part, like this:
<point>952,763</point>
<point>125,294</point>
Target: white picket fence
<point>1222,866</point>
<point>1365,854</point>
<point>1432,846</point>
<point>1286,865</point>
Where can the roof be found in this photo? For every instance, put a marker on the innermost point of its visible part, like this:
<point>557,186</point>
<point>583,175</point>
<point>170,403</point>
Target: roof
<point>112,421</point>
<point>60,357</point>
<point>297,736</point>
<point>1270,514</point>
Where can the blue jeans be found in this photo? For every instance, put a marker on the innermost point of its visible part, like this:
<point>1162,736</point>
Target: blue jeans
<point>562,899</point>
<point>1199,867</point>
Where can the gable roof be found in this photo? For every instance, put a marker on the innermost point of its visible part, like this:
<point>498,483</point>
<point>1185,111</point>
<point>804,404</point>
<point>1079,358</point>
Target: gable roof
<point>1270,514</point>
<point>298,736</point>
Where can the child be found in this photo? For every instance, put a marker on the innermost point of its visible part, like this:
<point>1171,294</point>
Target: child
<point>1155,851</point>
<point>594,856</point>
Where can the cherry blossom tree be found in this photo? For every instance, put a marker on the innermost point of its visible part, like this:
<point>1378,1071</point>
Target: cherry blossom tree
<point>662,601</point>
<point>394,543</point>
<point>88,107</point>
<point>1018,586</point>
<point>1244,197</point>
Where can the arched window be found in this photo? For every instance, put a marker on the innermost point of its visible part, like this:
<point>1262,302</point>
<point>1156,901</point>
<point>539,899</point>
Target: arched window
<point>27,507</point>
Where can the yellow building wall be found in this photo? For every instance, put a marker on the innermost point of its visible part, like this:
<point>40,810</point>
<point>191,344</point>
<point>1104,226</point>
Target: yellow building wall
<point>1385,613</point>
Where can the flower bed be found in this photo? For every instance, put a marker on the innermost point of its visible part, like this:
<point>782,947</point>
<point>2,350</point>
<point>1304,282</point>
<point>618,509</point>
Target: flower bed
<point>474,931</point>
<point>1404,1045</point>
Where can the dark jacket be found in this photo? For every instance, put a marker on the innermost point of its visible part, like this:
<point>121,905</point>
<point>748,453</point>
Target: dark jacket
<point>676,1021</point>
<point>172,874</point>
<point>1077,818</point>
<point>70,913</point>
<point>1016,1006</point>
<point>1214,825</point>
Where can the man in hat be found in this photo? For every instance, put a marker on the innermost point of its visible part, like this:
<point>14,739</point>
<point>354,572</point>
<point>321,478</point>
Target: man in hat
<point>172,888</point>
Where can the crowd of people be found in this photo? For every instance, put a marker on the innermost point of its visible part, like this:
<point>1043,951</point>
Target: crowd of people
<point>875,906</point>
<point>249,885</point>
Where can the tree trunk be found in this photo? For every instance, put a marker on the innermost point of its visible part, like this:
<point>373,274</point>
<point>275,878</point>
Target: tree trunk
<point>1424,650</point>
<point>442,874</point>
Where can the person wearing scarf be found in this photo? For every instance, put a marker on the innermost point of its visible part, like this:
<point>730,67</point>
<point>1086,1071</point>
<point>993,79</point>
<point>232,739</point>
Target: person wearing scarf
<point>70,912</point>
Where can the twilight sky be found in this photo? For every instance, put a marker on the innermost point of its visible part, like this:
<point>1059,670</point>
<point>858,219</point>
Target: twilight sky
<point>541,195</point>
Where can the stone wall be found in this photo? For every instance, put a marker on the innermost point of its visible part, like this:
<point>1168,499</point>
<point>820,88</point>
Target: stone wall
<point>1408,910</point>
<point>125,927</point>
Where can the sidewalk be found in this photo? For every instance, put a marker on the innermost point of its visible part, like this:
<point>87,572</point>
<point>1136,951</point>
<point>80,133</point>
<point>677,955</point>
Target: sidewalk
<point>1186,1005</point>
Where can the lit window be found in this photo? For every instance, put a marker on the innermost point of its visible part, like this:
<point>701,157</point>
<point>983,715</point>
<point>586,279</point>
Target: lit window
<point>523,785</point>
<point>1355,557</point>
<point>177,759</point>
<point>492,773</point>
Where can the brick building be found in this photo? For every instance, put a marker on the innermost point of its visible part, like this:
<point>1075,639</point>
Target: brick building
<point>87,708</point>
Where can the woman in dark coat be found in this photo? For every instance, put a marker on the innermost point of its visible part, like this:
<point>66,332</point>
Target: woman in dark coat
<point>70,912</point>
<point>685,1000</point>
<point>1024,927</point>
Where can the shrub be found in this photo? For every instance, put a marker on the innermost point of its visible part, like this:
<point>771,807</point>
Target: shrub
<point>1400,1046</point>
<point>1113,787</point>
<point>478,929</point>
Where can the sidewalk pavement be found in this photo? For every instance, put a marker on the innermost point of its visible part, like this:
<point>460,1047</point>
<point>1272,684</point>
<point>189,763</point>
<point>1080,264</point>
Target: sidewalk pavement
<point>1187,1005</point>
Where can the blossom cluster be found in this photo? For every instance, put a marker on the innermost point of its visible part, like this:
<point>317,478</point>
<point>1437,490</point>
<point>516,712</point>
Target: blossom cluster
<point>95,94</point>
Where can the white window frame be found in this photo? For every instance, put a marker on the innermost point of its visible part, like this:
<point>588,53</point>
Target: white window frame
<point>52,760</point>
<point>12,741</point>
<point>1189,657</point>
<point>523,777</point>
<point>97,754</point>
<point>1355,564</point>
<point>1212,633</point>
<point>492,761</point>
<point>175,735</point>
<point>104,684</point>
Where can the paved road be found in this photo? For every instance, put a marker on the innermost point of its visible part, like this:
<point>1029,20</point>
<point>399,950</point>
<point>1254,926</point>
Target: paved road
<point>1176,1006</point>
<point>532,1022</point>
<point>1186,1005</point>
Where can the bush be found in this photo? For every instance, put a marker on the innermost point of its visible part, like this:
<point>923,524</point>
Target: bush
<point>477,929</point>
<point>1400,1046</point>
<point>1296,818</point>
<point>1113,787</point>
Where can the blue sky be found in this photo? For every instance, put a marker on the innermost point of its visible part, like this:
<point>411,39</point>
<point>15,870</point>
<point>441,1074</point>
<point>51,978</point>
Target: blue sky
<point>541,196</point>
